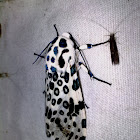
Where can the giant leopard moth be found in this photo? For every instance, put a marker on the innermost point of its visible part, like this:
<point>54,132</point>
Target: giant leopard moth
<point>65,114</point>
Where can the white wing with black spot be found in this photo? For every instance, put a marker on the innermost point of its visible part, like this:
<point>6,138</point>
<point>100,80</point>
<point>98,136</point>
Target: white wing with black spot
<point>65,108</point>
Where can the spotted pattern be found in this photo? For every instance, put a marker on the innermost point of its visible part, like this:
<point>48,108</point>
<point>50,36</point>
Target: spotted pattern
<point>82,138</point>
<point>53,69</point>
<point>55,50</point>
<point>54,112</point>
<point>59,101</point>
<point>61,112</point>
<point>53,102</point>
<point>55,76</point>
<point>59,82</point>
<point>51,85</point>
<point>46,111</point>
<point>84,123</point>
<point>76,137</point>
<point>63,43</point>
<point>73,70</point>
<point>49,75</point>
<point>48,134</point>
<point>61,59</point>
<point>46,67</point>
<point>47,126</point>
<point>56,91</point>
<point>65,120</point>
<point>65,116</point>
<point>48,58</point>
<point>52,59</point>
<point>49,97</point>
<point>65,104</point>
<point>49,114</point>
<point>66,77</point>
<point>52,119</point>
<point>74,124</point>
<point>76,84</point>
<point>66,89</point>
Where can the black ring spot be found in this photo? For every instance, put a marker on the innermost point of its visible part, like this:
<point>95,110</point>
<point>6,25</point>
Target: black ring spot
<point>53,102</point>
<point>49,97</point>
<point>48,134</point>
<point>65,104</point>
<point>50,75</point>
<point>61,112</point>
<point>65,89</point>
<point>59,82</point>
<point>55,76</point>
<point>56,91</point>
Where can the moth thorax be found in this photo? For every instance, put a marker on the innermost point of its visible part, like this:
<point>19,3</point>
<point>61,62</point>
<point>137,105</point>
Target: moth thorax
<point>66,35</point>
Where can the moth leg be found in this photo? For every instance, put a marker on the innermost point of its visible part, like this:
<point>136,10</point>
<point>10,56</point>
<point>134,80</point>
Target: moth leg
<point>89,46</point>
<point>39,55</point>
<point>81,65</point>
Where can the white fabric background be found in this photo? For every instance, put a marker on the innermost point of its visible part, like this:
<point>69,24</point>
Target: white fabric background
<point>27,27</point>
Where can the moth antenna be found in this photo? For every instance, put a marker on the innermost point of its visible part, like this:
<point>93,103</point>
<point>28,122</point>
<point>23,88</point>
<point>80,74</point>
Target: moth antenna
<point>127,17</point>
<point>99,25</point>
<point>56,30</point>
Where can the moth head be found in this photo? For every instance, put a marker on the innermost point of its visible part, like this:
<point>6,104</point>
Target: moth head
<point>67,35</point>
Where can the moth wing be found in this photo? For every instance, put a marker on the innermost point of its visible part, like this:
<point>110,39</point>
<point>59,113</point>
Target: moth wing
<point>65,113</point>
